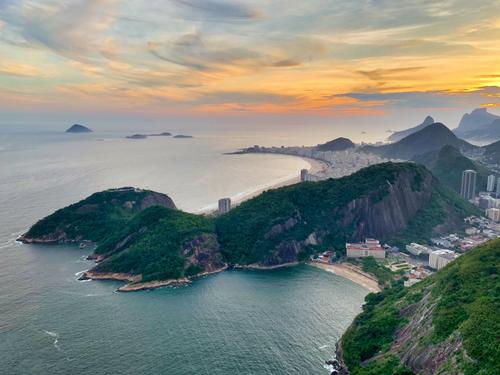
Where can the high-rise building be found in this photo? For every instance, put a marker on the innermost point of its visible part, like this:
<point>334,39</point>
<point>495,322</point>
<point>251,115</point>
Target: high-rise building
<point>498,187</point>
<point>490,185</point>
<point>468,188</point>
<point>304,175</point>
<point>224,205</point>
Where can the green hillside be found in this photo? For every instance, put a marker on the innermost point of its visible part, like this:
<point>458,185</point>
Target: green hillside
<point>395,202</point>
<point>152,244</point>
<point>446,324</point>
<point>447,165</point>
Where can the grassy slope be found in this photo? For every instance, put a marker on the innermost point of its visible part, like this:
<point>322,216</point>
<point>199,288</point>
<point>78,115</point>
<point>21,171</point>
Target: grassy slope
<point>466,295</point>
<point>447,165</point>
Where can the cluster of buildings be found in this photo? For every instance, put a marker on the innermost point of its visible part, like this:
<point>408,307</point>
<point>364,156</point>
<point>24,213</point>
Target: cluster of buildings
<point>340,163</point>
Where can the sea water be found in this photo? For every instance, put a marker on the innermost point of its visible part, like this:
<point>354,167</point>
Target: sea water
<point>238,322</point>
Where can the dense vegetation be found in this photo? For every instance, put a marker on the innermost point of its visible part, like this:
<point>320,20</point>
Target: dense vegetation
<point>155,252</point>
<point>382,273</point>
<point>464,299</point>
<point>244,233</point>
<point>448,164</point>
<point>420,229</point>
<point>273,228</point>
<point>93,218</point>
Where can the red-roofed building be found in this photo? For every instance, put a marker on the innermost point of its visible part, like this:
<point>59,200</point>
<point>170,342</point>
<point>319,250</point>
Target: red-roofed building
<point>370,248</point>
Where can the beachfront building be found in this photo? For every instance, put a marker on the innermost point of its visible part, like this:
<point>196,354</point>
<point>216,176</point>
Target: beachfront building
<point>224,205</point>
<point>370,248</point>
<point>440,258</point>
<point>417,249</point>
<point>304,175</point>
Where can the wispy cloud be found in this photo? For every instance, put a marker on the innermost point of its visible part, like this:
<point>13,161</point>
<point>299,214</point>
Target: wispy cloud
<point>327,57</point>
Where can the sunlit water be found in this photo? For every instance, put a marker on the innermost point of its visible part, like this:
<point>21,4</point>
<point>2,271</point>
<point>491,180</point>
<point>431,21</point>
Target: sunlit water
<point>276,322</point>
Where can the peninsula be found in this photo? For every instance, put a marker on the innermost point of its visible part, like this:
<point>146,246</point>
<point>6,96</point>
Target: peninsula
<point>143,238</point>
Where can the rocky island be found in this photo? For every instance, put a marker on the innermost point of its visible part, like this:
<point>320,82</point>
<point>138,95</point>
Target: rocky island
<point>76,128</point>
<point>181,136</point>
<point>144,136</point>
<point>141,237</point>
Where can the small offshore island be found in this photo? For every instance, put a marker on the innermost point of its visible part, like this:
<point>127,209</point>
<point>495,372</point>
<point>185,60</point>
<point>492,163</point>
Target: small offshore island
<point>77,128</point>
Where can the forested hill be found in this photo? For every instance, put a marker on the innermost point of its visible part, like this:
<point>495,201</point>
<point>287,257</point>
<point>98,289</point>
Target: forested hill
<point>395,202</point>
<point>446,324</point>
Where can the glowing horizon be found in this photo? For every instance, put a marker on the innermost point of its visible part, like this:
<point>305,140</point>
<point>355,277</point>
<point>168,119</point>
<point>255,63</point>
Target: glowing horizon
<point>226,58</point>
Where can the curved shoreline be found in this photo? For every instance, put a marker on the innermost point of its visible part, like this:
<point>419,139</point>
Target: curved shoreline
<point>350,272</point>
<point>315,166</point>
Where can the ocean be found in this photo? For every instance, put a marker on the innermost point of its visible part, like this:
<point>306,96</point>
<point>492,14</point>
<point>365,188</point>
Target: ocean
<point>246,322</point>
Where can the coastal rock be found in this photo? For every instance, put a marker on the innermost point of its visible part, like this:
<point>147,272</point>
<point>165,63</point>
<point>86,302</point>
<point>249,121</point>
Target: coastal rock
<point>202,253</point>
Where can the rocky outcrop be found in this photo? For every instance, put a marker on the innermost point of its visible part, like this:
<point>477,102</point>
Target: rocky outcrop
<point>203,252</point>
<point>380,219</point>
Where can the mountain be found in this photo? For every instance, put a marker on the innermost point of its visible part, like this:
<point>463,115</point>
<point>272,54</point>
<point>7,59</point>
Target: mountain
<point>448,164</point>
<point>431,138</point>
<point>338,144</point>
<point>445,324</point>
<point>399,135</point>
<point>479,125</point>
<point>76,128</point>
<point>395,202</point>
<point>491,153</point>
<point>96,217</point>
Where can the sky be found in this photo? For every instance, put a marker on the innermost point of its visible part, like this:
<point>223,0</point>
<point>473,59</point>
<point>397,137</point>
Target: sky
<point>266,61</point>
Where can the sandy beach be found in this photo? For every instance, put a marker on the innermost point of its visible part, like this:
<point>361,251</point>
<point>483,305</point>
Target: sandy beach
<point>352,273</point>
<point>316,166</point>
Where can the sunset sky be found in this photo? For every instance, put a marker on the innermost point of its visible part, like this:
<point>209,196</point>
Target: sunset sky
<point>271,59</point>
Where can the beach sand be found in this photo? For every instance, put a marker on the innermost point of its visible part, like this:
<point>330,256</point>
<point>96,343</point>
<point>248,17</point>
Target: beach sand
<point>352,273</point>
<point>316,166</point>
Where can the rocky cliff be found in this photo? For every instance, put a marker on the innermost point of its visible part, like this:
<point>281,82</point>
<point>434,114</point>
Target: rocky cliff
<point>446,324</point>
<point>392,202</point>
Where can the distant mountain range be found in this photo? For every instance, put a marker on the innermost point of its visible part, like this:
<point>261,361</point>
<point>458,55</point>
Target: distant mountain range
<point>399,135</point>
<point>479,125</point>
<point>433,137</point>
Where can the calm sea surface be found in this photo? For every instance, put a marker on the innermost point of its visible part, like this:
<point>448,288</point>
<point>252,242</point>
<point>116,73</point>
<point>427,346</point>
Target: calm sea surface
<point>239,322</point>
